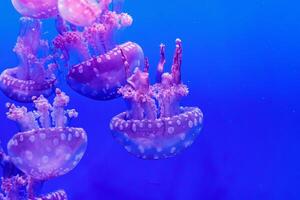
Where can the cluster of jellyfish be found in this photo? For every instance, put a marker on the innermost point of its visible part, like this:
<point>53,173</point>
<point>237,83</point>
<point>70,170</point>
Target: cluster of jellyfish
<point>155,126</point>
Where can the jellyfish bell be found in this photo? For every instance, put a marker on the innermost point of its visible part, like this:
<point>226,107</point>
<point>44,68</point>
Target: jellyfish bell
<point>101,77</point>
<point>24,90</point>
<point>47,152</point>
<point>46,147</point>
<point>80,13</point>
<point>155,125</point>
<point>39,9</point>
<point>159,138</point>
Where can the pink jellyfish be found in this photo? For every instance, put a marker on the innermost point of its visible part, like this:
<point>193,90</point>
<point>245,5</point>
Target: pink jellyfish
<point>46,147</point>
<point>156,126</point>
<point>97,65</point>
<point>80,13</point>
<point>34,75</point>
<point>39,9</point>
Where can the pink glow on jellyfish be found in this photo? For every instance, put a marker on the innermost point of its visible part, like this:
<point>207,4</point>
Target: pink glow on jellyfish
<point>80,13</point>
<point>39,9</point>
<point>46,148</point>
<point>99,70</point>
<point>156,126</point>
<point>34,75</point>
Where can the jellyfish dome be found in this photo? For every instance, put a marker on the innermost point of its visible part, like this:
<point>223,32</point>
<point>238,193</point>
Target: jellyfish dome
<point>80,13</point>
<point>39,9</point>
<point>34,76</point>
<point>156,126</point>
<point>96,67</point>
<point>46,148</point>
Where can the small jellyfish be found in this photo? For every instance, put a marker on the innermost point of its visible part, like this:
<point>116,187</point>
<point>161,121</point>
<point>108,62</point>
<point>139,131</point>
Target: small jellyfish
<point>39,9</point>
<point>46,148</point>
<point>34,76</point>
<point>96,64</point>
<point>156,126</point>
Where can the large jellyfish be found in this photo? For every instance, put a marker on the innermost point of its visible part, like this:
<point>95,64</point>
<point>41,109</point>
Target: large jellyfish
<point>36,8</point>
<point>34,75</point>
<point>156,126</point>
<point>97,67</point>
<point>46,147</point>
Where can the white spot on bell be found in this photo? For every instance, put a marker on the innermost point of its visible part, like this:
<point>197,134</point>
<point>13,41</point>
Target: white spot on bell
<point>191,124</point>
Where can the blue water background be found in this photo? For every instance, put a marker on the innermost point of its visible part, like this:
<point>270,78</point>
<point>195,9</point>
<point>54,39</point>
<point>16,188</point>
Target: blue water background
<point>241,63</point>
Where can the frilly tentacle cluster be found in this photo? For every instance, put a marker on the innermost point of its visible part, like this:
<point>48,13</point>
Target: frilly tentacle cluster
<point>93,39</point>
<point>161,99</point>
<point>45,115</point>
<point>20,188</point>
<point>33,52</point>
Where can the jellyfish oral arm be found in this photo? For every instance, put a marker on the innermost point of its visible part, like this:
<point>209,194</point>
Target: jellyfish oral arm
<point>161,64</point>
<point>177,62</point>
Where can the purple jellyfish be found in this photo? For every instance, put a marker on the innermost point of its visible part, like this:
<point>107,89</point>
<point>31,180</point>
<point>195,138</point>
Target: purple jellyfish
<point>98,70</point>
<point>31,77</point>
<point>36,8</point>
<point>156,126</point>
<point>46,148</point>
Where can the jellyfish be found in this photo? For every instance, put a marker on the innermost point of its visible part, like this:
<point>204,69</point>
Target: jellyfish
<point>81,13</point>
<point>34,76</point>
<point>96,64</point>
<point>155,125</point>
<point>46,147</point>
<point>39,9</point>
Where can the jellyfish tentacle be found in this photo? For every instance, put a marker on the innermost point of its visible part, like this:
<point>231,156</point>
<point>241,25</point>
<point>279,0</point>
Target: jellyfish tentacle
<point>61,25</point>
<point>13,186</point>
<point>25,119</point>
<point>125,62</point>
<point>177,62</point>
<point>43,108</point>
<point>161,64</point>
<point>58,114</point>
<point>147,65</point>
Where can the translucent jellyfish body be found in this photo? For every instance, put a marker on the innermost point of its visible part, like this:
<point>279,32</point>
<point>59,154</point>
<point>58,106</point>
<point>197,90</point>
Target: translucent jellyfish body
<point>156,126</point>
<point>36,8</point>
<point>102,76</point>
<point>31,77</point>
<point>98,70</point>
<point>81,13</point>
<point>46,148</point>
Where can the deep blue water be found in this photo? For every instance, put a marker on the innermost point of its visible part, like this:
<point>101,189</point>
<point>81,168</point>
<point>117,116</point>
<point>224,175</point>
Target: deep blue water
<point>241,63</point>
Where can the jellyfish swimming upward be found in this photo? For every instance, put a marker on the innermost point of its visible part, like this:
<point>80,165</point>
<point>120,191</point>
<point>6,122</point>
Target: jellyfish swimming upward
<point>46,147</point>
<point>34,75</point>
<point>156,126</point>
<point>86,42</point>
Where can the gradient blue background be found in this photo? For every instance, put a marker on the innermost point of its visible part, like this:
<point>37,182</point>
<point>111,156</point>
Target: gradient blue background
<point>241,62</point>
